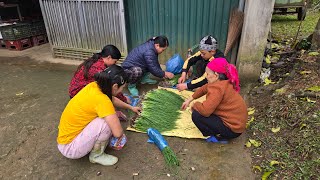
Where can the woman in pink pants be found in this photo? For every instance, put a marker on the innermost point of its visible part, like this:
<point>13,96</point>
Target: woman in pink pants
<point>89,119</point>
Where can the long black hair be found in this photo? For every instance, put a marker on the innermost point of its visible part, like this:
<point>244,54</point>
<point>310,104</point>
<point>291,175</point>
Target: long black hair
<point>110,76</point>
<point>161,40</point>
<point>108,50</point>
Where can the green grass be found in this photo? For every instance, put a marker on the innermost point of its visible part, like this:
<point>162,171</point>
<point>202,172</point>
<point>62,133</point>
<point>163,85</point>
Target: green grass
<point>160,111</point>
<point>286,26</point>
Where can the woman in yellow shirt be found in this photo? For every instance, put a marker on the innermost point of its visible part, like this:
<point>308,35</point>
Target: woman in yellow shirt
<point>89,119</point>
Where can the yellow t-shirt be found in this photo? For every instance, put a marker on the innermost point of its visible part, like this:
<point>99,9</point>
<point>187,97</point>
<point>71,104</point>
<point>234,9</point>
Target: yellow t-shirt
<point>84,107</point>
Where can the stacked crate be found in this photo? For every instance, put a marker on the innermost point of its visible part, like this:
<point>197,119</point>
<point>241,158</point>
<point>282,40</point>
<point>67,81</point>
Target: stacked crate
<point>38,31</point>
<point>23,35</point>
<point>17,36</point>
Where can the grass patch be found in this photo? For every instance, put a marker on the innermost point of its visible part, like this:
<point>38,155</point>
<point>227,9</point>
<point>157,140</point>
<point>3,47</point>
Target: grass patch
<point>286,26</point>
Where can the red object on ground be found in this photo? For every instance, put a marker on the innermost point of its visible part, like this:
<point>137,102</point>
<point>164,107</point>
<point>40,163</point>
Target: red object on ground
<point>39,40</point>
<point>19,45</point>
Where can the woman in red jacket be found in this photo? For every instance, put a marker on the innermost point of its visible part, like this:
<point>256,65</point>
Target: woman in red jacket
<point>223,114</point>
<point>84,75</point>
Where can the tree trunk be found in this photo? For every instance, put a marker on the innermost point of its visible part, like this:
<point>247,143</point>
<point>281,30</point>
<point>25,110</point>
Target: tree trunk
<point>316,37</point>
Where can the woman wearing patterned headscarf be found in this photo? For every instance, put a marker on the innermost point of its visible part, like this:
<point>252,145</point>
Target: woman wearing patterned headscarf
<point>208,52</point>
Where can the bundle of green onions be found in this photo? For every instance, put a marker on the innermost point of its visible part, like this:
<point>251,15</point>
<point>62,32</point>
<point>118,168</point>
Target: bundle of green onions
<point>169,156</point>
<point>160,110</point>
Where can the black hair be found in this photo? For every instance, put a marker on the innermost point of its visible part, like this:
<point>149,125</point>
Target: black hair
<point>161,40</point>
<point>110,76</point>
<point>108,50</point>
<point>222,76</point>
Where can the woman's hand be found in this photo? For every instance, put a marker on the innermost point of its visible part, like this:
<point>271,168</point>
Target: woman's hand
<point>168,75</point>
<point>186,104</point>
<point>182,86</point>
<point>137,110</point>
<point>182,79</point>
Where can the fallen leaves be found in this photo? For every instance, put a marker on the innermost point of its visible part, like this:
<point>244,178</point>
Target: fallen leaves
<point>281,91</point>
<point>268,59</point>
<point>308,100</point>
<point>313,53</point>
<point>248,144</point>
<point>273,163</point>
<point>275,130</point>
<point>267,81</point>
<point>251,111</point>
<point>250,121</point>
<point>257,167</point>
<point>305,72</point>
<point>266,175</point>
<point>253,142</point>
<point>314,88</point>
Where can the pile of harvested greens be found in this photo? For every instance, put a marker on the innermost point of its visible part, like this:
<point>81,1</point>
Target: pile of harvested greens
<point>160,110</point>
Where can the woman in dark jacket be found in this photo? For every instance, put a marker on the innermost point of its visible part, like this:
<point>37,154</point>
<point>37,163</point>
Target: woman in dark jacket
<point>143,60</point>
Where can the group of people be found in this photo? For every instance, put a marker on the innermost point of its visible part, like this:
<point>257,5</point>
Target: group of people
<point>90,121</point>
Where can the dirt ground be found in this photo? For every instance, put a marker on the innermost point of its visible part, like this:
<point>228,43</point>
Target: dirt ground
<point>33,95</point>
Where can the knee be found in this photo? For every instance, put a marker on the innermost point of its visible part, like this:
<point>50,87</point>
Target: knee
<point>195,116</point>
<point>103,126</point>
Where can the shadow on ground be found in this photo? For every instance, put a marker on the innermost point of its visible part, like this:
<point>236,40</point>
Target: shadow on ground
<point>33,95</point>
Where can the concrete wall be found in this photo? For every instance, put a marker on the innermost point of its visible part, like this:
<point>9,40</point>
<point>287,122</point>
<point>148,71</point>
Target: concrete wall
<point>256,25</point>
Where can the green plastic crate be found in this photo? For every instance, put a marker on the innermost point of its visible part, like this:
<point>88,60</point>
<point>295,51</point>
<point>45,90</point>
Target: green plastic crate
<point>16,31</point>
<point>38,28</point>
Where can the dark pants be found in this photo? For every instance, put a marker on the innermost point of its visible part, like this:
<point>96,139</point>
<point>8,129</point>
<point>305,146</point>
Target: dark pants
<point>213,125</point>
<point>134,74</point>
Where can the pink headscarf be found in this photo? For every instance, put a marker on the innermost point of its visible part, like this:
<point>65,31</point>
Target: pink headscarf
<point>221,65</point>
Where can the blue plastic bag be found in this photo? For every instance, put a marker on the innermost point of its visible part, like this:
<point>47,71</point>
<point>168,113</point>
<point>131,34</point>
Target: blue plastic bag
<point>175,64</point>
<point>134,101</point>
<point>156,138</point>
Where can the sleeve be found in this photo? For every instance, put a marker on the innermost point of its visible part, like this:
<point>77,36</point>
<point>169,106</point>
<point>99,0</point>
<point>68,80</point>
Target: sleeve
<point>105,107</point>
<point>153,64</point>
<point>200,92</point>
<point>207,107</point>
<point>198,82</point>
<point>191,61</point>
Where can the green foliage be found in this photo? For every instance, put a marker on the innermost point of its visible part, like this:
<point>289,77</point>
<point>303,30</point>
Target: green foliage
<point>304,44</point>
<point>160,111</point>
<point>170,157</point>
